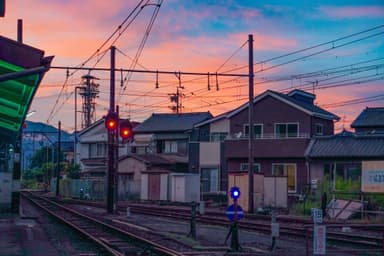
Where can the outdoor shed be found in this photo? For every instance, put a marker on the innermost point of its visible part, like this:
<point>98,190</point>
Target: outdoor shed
<point>154,185</point>
<point>184,187</point>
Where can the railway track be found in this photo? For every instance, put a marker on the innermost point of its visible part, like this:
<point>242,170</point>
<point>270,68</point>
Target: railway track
<point>111,240</point>
<point>289,227</point>
<point>301,228</point>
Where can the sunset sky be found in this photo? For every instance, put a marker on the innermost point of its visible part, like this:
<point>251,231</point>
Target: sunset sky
<point>342,57</point>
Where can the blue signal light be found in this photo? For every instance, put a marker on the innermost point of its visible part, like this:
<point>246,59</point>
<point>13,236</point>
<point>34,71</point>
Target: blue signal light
<point>235,193</point>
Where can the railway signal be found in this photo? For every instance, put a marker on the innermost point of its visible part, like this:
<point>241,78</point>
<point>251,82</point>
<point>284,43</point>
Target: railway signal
<point>235,193</point>
<point>234,213</point>
<point>126,132</point>
<point>111,121</point>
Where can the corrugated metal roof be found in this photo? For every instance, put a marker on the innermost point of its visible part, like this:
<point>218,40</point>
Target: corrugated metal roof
<point>22,68</point>
<point>172,122</point>
<point>346,147</point>
<point>370,117</point>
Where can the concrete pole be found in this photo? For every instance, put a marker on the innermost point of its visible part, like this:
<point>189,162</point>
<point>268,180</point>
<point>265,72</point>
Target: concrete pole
<point>111,205</point>
<point>250,138</point>
<point>58,160</point>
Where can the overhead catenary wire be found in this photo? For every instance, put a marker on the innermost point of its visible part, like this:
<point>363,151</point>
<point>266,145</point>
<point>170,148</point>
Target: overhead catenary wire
<point>239,76</point>
<point>308,48</point>
<point>118,29</point>
<point>232,55</point>
<point>353,101</point>
<point>142,43</point>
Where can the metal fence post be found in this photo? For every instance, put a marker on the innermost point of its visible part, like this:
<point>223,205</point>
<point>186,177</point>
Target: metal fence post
<point>306,241</point>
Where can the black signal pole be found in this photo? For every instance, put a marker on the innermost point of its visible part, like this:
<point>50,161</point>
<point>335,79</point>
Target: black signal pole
<point>58,160</point>
<point>250,133</point>
<point>111,204</point>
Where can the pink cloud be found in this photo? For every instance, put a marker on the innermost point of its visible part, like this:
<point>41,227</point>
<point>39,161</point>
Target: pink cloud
<point>352,11</point>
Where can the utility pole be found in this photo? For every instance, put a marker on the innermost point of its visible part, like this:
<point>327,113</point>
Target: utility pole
<point>250,138</point>
<point>75,140</point>
<point>111,206</point>
<point>58,159</point>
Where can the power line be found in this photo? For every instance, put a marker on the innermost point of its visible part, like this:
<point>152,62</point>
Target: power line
<point>310,48</point>
<point>230,57</point>
<point>118,29</point>
<point>353,101</point>
<point>142,43</point>
<point>98,51</point>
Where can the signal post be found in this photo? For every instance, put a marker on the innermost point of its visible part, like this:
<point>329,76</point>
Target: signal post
<point>114,127</point>
<point>234,213</point>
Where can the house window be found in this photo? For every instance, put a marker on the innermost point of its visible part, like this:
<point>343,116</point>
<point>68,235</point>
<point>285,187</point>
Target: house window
<point>319,129</point>
<point>97,150</point>
<point>218,136</point>
<point>209,180</point>
<point>257,130</point>
<point>244,167</point>
<point>289,130</point>
<point>170,146</point>
<point>288,170</point>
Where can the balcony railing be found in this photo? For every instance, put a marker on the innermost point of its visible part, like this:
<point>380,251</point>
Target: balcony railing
<point>240,136</point>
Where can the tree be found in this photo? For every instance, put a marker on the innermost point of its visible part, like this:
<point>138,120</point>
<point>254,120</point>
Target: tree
<point>73,171</point>
<point>43,155</point>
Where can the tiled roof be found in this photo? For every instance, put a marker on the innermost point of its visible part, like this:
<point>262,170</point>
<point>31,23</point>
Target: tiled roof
<point>172,122</point>
<point>305,106</point>
<point>370,117</point>
<point>309,107</point>
<point>348,146</point>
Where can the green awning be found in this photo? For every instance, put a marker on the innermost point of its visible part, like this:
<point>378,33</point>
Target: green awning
<point>21,70</point>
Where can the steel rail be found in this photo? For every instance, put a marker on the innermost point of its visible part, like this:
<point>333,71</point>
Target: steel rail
<point>154,247</point>
<point>250,224</point>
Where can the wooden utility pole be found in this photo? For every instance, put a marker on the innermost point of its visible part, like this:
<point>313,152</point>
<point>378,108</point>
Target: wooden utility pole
<point>250,132</point>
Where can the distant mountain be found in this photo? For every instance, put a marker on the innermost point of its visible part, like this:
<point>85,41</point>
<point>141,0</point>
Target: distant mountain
<point>37,135</point>
<point>46,130</point>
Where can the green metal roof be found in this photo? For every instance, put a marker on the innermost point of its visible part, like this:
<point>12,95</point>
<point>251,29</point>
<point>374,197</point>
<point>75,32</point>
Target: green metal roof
<point>21,70</point>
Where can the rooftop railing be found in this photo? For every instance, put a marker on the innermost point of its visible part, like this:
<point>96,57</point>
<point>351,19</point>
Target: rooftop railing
<point>240,136</point>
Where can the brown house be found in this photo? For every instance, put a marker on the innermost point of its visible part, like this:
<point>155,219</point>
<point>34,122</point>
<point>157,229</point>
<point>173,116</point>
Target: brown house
<point>283,126</point>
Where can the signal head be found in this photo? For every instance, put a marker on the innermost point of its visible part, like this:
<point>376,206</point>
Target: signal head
<point>111,121</point>
<point>126,131</point>
<point>235,193</point>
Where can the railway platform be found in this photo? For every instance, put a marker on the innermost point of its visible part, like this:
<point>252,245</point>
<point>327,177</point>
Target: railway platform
<point>24,235</point>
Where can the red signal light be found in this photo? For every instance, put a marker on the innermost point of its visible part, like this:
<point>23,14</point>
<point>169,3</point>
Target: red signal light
<point>111,121</point>
<point>126,131</point>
